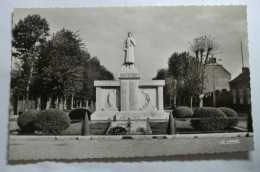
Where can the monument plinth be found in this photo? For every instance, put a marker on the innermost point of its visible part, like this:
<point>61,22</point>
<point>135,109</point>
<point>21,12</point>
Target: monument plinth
<point>129,97</point>
<point>129,83</point>
<point>129,72</point>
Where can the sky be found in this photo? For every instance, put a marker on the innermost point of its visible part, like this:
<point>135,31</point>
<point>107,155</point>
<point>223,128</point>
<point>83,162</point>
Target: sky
<point>158,31</point>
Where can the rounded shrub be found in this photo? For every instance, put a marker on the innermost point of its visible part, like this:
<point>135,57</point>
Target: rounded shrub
<point>52,121</point>
<point>232,116</point>
<point>118,130</point>
<point>79,114</point>
<point>209,119</point>
<point>183,112</point>
<point>26,120</point>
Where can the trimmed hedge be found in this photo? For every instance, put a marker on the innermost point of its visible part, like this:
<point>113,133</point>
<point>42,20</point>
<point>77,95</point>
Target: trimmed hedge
<point>213,119</point>
<point>232,121</point>
<point>52,121</point>
<point>183,112</point>
<point>79,114</point>
<point>26,121</point>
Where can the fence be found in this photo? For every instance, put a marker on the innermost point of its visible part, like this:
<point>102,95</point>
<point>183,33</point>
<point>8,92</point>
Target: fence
<point>122,126</point>
<point>166,126</point>
<point>129,127</point>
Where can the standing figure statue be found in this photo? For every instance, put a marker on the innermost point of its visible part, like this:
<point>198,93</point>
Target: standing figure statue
<point>129,45</point>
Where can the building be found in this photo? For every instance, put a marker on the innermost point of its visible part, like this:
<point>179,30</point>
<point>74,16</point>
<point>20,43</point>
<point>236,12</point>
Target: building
<point>216,84</point>
<point>240,88</point>
<point>216,77</point>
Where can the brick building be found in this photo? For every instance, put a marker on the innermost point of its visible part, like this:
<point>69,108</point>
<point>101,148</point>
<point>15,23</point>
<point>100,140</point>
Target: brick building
<point>240,88</point>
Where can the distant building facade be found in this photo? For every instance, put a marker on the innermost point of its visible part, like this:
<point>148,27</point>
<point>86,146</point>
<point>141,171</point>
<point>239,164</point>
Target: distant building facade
<point>240,88</point>
<point>216,77</point>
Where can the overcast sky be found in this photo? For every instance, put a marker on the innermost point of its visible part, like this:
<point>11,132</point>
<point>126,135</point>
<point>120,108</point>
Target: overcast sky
<point>158,31</point>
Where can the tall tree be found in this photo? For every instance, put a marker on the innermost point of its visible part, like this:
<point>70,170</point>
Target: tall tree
<point>192,81</point>
<point>161,74</point>
<point>178,66</point>
<point>29,36</point>
<point>171,85</point>
<point>203,47</point>
<point>63,72</point>
<point>94,71</point>
<point>18,82</point>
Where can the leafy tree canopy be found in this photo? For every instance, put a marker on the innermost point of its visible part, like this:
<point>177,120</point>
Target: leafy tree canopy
<point>29,34</point>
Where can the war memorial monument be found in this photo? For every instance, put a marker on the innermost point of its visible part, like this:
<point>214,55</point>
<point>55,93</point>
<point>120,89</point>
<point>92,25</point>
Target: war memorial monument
<point>129,96</point>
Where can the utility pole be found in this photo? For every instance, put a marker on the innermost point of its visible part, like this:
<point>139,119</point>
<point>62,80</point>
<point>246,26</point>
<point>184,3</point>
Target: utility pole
<point>213,81</point>
<point>242,53</point>
<point>214,91</point>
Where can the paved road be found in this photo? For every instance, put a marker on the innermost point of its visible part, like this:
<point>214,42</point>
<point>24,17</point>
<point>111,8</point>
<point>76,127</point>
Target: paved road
<point>32,147</point>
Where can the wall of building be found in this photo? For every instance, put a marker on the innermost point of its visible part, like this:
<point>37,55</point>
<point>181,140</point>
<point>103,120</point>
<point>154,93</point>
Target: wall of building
<point>240,89</point>
<point>218,76</point>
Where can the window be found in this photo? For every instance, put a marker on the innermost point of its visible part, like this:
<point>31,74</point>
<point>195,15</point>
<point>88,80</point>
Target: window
<point>241,98</point>
<point>248,96</point>
<point>234,96</point>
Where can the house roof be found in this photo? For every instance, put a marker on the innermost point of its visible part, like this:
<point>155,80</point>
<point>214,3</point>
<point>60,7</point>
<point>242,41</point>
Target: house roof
<point>242,77</point>
<point>219,66</point>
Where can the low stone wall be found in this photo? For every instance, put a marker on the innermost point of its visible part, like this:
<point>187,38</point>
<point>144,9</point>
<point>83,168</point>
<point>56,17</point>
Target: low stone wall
<point>13,123</point>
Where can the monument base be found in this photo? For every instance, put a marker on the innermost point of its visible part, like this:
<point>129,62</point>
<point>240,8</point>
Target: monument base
<point>129,72</point>
<point>124,115</point>
<point>142,115</point>
<point>104,115</point>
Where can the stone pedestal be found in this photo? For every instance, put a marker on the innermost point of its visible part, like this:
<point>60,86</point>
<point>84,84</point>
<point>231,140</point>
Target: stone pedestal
<point>134,98</point>
<point>129,83</point>
<point>129,73</point>
<point>124,91</point>
<point>133,95</point>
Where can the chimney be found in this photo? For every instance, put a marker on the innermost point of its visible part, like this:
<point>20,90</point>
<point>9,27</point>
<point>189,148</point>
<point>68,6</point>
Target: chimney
<point>245,69</point>
<point>212,60</point>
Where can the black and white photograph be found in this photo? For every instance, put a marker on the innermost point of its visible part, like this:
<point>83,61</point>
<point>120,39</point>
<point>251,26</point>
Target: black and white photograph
<point>123,82</point>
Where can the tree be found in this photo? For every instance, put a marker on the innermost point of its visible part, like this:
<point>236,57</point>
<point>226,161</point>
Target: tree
<point>192,81</point>
<point>171,85</point>
<point>161,74</point>
<point>18,82</point>
<point>29,36</point>
<point>63,65</point>
<point>178,66</point>
<point>202,47</point>
<point>94,71</point>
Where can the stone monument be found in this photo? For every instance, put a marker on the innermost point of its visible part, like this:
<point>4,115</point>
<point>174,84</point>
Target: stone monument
<point>129,45</point>
<point>129,97</point>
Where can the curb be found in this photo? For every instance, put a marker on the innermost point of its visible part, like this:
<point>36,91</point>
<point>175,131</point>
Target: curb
<point>134,137</point>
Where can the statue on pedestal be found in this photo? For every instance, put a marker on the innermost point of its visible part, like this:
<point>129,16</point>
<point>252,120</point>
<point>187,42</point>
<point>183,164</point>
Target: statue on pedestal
<point>129,45</point>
